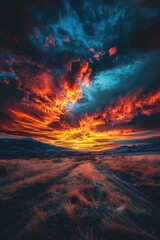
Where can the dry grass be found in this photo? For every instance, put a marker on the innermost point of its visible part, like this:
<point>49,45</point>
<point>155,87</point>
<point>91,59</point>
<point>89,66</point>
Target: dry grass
<point>74,200</point>
<point>39,213</point>
<point>27,173</point>
<point>88,171</point>
<point>145,168</point>
<point>3,171</point>
<point>69,208</point>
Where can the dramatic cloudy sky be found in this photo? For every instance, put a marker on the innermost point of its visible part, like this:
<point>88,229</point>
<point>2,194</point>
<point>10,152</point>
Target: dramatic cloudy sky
<point>80,74</point>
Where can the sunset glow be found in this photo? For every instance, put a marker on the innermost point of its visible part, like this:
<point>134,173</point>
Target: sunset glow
<point>45,112</point>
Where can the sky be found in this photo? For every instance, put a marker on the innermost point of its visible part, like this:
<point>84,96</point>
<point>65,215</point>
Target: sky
<point>80,74</point>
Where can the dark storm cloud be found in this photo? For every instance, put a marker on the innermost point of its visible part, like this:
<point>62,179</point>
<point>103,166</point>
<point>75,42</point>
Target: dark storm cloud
<point>97,24</point>
<point>146,122</point>
<point>133,73</point>
<point>141,122</point>
<point>139,141</point>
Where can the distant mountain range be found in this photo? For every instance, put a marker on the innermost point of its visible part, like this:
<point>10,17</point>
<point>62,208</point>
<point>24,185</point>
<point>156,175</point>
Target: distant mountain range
<point>28,147</point>
<point>25,147</point>
<point>152,147</point>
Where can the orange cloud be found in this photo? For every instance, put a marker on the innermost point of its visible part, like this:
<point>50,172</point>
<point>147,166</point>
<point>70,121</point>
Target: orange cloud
<point>45,111</point>
<point>112,51</point>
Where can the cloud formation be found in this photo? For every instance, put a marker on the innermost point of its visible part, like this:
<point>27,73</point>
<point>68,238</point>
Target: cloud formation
<point>77,74</point>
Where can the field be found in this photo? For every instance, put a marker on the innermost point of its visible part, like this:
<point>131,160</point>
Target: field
<point>88,197</point>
